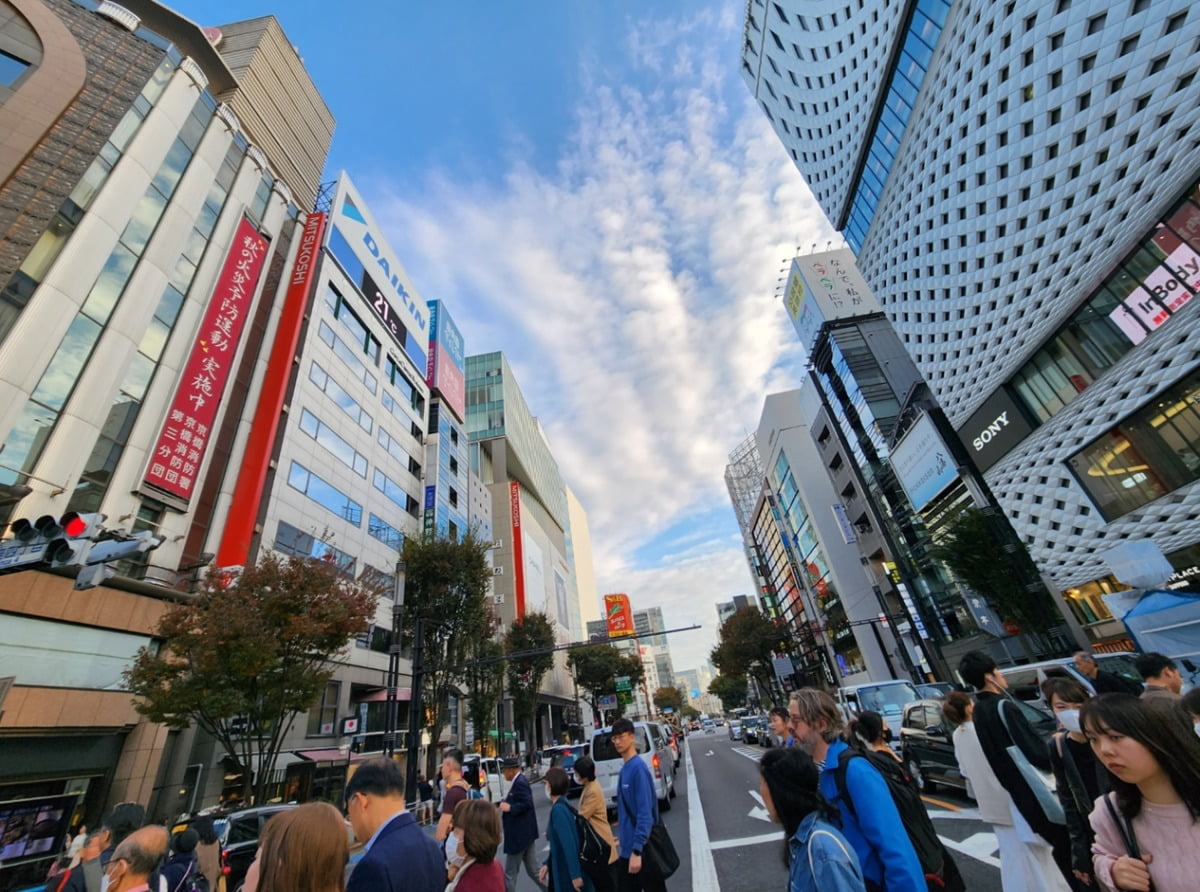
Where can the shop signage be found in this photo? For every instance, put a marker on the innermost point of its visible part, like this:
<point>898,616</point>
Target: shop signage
<point>994,430</point>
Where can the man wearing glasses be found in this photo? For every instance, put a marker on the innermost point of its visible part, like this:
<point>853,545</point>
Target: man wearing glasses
<point>637,810</point>
<point>135,859</point>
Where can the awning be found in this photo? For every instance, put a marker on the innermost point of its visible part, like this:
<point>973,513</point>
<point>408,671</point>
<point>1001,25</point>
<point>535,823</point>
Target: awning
<point>332,755</point>
<point>381,696</point>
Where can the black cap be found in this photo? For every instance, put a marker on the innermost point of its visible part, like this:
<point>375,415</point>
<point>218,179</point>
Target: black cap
<point>510,762</point>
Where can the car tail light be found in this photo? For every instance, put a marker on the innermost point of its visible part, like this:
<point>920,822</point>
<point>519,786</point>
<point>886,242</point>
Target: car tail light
<point>225,868</point>
<point>654,762</point>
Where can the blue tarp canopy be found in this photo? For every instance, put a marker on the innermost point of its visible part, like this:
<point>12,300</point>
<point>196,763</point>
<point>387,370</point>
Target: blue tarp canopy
<point>1167,622</point>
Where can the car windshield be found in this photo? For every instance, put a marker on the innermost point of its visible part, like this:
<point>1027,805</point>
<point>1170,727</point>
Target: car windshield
<point>603,749</point>
<point>887,699</point>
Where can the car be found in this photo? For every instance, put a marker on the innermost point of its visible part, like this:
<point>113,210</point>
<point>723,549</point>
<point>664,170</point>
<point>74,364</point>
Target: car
<point>1025,682</point>
<point>735,729</point>
<point>935,690</point>
<point>492,782</point>
<point>750,729</point>
<point>652,748</point>
<point>887,698</point>
<point>673,742</point>
<point>564,757</point>
<point>238,833</point>
<point>709,726</point>
<point>927,743</point>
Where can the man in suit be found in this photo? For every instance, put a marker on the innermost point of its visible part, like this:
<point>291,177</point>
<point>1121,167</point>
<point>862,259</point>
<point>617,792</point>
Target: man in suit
<point>520,826</point>
<point>398,857</point>
<point>1103,682</point>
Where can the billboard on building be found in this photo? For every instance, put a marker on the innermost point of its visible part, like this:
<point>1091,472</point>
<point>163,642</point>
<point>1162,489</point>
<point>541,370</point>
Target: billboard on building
<point>445,370</point>
<point>994,429</point>
<point>514,509</point>
<point>618,615</point>
<point>823,287</point>
<point>922,463</point>
<point>185,433</point>
<point>357,243</point>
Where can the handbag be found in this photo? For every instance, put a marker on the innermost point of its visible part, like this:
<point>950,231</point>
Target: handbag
<point>1125,828</point>
<point>593,849</point>
<point>659,855</point>
<point>1041,786</point>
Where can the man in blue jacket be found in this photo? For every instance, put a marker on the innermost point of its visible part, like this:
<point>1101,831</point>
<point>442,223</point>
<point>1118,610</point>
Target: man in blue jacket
<point>637,812</point>
<point>873,828</point>
<point>399,856</point>
<point>520,825</point>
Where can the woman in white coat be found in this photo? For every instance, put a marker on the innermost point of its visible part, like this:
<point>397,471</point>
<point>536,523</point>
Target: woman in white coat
<point>1026,861</point>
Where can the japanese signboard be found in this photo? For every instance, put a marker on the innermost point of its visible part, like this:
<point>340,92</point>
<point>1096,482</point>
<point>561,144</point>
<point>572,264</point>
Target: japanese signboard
<point>514,497</point>
<point>922,463</point>
<point>618,615</point>
<point>444,370</point>
<point>183,439</point>
<point>823,287</point>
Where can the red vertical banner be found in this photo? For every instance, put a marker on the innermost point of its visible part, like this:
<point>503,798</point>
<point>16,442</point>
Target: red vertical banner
<point>618,615</point>
<point>252,476</point>
<point>184,436</point>
<point>518,550</point>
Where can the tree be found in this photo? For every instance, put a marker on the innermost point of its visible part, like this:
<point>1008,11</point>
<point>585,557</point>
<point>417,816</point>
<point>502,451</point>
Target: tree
<point>690,712</point>
<point>667,698</point>
<point>596,668</point>
<point>528,645</point>
<point>249,654</point>
<point>485,680</point>
<point>731,689</point>
<point>446,586</point>
<point>998,567</point>
<point>749,641</point>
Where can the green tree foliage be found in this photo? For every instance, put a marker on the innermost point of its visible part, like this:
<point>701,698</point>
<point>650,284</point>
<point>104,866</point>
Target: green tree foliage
<point>979,554</point>
<point>748,642</point>
<point>528,644</point>
<point>250,653</point>
<point>596,668</point>
<point>446,586</point>
<point>485,681</point>
<point>731,689</point>
<point>690,713</point>
<point>668,698</point>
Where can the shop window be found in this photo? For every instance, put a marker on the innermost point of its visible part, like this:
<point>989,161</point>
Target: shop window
<point>322,717</point>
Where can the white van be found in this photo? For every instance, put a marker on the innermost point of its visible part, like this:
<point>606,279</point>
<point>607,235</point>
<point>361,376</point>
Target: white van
<point>494,786</point>
<point>653,748</point>
<point>888,698</point>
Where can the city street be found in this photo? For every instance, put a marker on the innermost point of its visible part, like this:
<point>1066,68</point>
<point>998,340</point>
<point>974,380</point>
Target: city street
<point>726,842</point>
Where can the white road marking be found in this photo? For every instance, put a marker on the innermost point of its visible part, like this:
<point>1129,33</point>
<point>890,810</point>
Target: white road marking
<point>746,841</point>
<point>704,869</point>
<point>979,846</point>
<point>761,812</point>
<point>709,753</point>
<point>752,754</point>
<point>970,814</point>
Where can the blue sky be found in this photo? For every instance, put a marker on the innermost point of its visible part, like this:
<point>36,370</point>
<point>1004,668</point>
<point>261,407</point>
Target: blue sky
<point>590,188</point>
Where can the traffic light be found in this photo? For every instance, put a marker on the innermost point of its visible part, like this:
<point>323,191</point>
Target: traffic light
<point>71,547</point>
<point>118,549</point>
<point>30,542</point>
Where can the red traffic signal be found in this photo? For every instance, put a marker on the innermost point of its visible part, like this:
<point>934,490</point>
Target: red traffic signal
<point>75,525</point>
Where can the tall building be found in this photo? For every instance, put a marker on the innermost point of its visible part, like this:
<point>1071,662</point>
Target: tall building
<point>147,234</point>
<point>726,609</point>
<point>650,620</point>
<point>530,521</point>
<point>1018,181</point>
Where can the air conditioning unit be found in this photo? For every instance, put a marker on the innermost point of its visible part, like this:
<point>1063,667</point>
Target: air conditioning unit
<point>498,571</point>
<point>497,543</point>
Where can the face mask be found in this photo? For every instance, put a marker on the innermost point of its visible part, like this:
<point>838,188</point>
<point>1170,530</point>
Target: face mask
<point>454,854</point>
<point>1197,727</point>
<point>887,735</point>
<point>548,796</point>
<point>1069,718</point>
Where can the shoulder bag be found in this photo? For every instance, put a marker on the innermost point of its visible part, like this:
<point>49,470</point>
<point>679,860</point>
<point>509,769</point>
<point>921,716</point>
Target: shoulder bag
<point>1038,783</point>
<point>659,855</point>
<point>1125,828</point>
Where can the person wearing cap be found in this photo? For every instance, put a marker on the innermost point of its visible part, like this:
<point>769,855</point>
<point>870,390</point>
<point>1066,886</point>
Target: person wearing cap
<point>520,825</point>
<point>183,863</point>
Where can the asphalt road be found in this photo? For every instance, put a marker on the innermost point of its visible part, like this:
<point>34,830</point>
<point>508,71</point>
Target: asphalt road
<point>727,843</point>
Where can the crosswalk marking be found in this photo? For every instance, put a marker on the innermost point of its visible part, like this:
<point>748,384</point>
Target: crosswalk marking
<point>752,754</point>
<point>979,846</point>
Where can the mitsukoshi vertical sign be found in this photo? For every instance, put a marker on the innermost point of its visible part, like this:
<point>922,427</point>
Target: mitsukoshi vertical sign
<point>185,434</point>
<point>514,504</point>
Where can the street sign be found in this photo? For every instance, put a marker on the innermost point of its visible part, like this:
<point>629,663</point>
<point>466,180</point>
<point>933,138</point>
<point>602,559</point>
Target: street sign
<point>606,701</point>
<point>622,683</point>
<point>16,553</point>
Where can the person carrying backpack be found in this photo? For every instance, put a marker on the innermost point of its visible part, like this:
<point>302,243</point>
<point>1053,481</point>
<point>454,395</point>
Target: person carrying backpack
<point>941,873</point>
<point>869,819</point>
<point>182,870</point>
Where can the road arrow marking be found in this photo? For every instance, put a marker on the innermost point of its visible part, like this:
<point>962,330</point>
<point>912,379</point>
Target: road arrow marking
<point>760,812</point>
<point>979,846</point>
<point>709,753</point>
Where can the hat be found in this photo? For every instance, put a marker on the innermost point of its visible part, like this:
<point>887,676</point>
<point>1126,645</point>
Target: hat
<point>186,840</point>
<point>510,762</point>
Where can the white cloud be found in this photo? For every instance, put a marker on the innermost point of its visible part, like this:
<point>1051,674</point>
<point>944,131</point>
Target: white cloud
<point>632,290</point>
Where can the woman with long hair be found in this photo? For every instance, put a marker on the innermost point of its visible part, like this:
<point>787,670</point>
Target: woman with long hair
<point>477,826</point>
<point>1079,777</point>
<point>1148,828</point>
<point>872,729</point>
<point>304,849</point>
<point>817,855</point>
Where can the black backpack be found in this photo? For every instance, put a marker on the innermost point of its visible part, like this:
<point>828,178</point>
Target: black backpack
<point>941,873</point>
<point>593,849</point>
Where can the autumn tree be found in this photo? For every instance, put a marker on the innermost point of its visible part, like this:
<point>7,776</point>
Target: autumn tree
<point>730,689</point>
<point>528,644</point>
<point>249,654</point>
<point>446,587</point>
<point>596,668</point>
<point>667,698</point>
<point>992,562</point>
<point>748,642</point>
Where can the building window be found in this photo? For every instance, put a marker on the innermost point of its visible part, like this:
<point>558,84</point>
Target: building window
<point>383,531</point>
<point>1151,453</point>
<point>322,718</point>
<point>296,543</point>
<point>340,396</point>
<point>324,494</point>
<point>334,444</point>
<point>11,68</point>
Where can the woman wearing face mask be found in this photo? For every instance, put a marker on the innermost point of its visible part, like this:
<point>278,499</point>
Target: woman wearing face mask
<point>562,870</point>
<point>871,728</point>
<point>477,836</point>
<point>1148,828</point>
<point>1079,776</point>
<point>593,808</point>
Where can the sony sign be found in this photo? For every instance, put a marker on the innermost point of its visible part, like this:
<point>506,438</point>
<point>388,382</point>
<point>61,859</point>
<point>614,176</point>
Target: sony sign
<point>994,430</point>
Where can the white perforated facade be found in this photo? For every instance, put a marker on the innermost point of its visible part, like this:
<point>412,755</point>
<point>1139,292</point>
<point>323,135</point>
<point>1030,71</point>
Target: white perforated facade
<point>1044,144</point>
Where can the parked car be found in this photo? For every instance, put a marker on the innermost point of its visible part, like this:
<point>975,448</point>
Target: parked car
<point>935,690</point>
<point>238,833</point>
<point>735,729</point>
<point>1025,682</point>
<point>564,757</point>
<point>927,743</point>
<point>493,785</point>
<point>652,748</point>
<point>750,729</point>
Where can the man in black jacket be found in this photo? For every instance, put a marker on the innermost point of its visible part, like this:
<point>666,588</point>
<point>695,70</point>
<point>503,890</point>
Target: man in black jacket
<point>999,724</point>
<point>1103,682</point>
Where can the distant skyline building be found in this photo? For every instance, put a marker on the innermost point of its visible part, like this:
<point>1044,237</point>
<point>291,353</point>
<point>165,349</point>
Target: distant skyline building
<point>1018,181</point>
<point>726,609</point>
